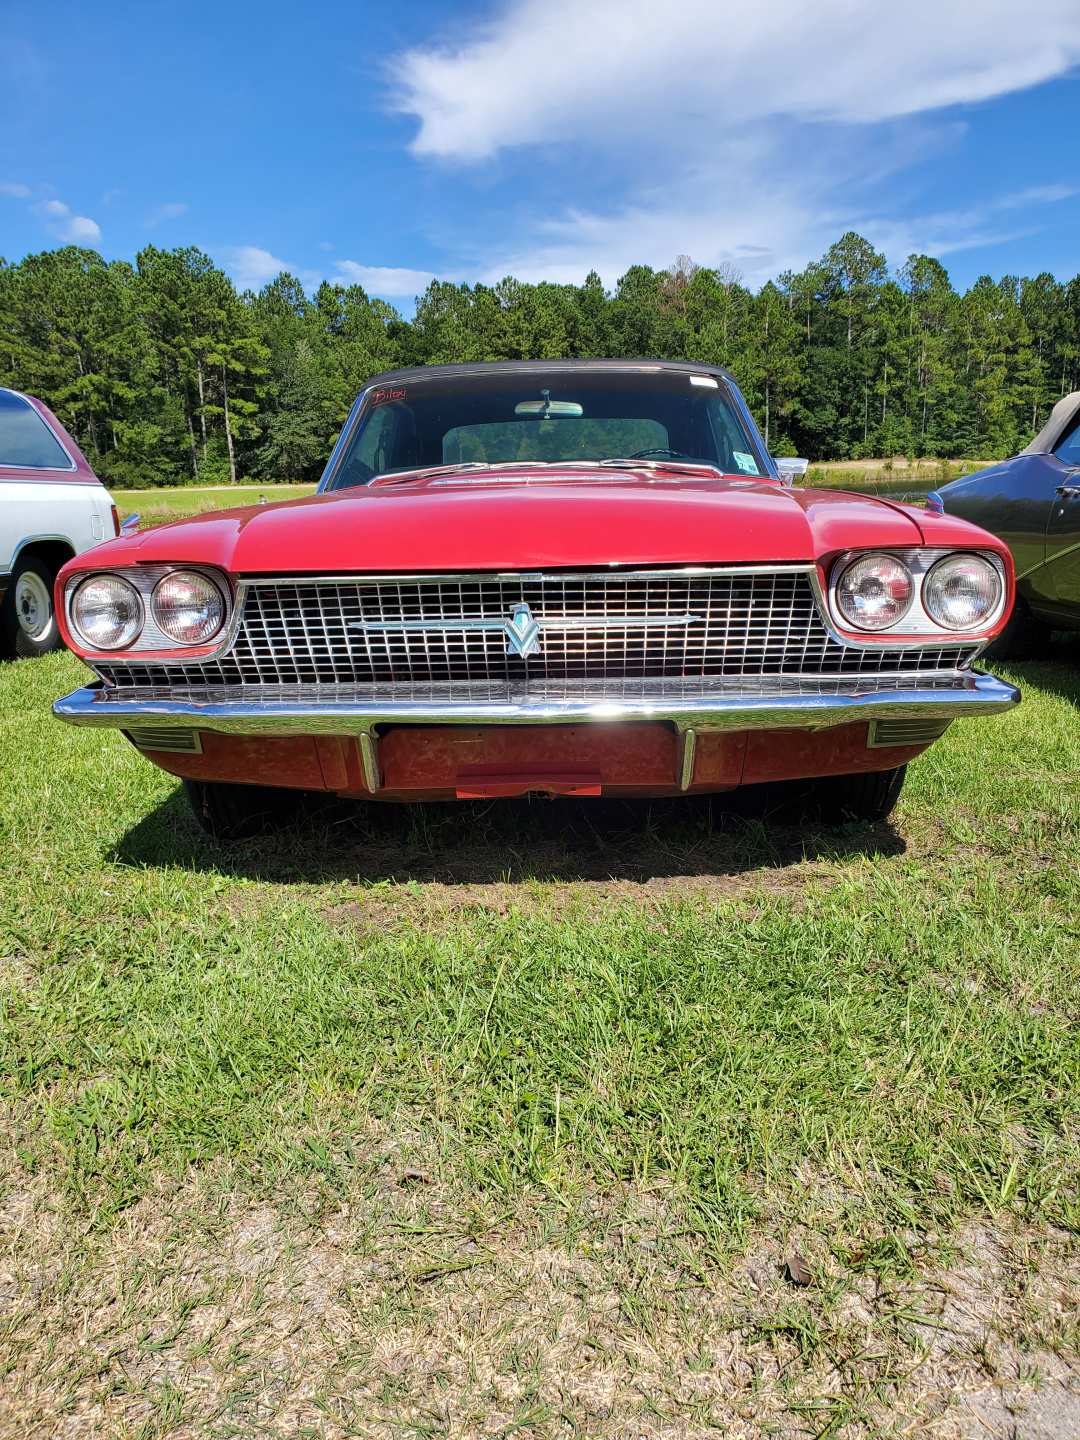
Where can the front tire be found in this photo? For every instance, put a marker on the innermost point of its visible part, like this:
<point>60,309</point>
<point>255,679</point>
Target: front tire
<point>241,812</point>
<point>868,797</point>
<point>28,620</point>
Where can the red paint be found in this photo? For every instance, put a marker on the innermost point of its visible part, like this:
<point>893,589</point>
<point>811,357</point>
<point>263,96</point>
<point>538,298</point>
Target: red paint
<point>802,754</point>
<point>249,760</point>
<point>532,781</point>
<point>444,758</point>
<point>460,761</point>
<point>558,520</point>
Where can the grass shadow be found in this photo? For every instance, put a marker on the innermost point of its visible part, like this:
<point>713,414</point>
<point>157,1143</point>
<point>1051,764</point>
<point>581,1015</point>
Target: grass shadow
<point>695,837</point>
<point>1056,670</point>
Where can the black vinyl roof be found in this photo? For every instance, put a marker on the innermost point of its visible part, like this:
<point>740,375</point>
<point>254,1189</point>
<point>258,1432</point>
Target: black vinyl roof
<point>533,367</point>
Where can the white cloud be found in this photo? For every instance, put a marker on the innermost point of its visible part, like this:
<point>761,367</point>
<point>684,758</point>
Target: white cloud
<point>544,71</point>
<point>74,229</point>
<point>744,132</point>
<point>14,190</point>
<point>171,210</point>
<point>252,267</point>
<point>386,280</point>
<point>80,228</point>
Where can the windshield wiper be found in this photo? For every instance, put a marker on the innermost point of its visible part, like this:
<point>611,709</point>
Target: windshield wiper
<point>691,467</point>
<point>426,472</point>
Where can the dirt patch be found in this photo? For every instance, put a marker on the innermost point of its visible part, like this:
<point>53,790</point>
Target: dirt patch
<point>398,1306</point>
<point>440,901</point>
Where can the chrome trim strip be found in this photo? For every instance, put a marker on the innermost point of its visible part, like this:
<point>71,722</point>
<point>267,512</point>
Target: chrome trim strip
<point>686,758</point>
<point>969,694</point>
<point>369,760</point>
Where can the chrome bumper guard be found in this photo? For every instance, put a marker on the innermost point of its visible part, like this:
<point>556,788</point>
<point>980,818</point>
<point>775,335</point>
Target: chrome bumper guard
<point>806,705</point>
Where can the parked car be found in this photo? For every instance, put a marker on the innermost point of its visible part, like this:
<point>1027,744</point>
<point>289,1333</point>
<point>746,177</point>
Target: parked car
<point>1033,503</point>
<point>52,506</point>
<point>573,578</point>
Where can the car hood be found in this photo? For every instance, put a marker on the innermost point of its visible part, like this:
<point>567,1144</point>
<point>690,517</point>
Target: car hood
<point>554,520</point>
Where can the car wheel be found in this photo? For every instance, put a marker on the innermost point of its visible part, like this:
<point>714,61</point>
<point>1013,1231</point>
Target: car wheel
<point>240,812</point>
<point>1022,638</point>
<point>29,623</point>
<point>868,797</point>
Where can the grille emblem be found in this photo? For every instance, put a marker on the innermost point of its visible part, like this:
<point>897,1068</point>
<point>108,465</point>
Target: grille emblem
<point>523,629</point>
<point>522,633</point>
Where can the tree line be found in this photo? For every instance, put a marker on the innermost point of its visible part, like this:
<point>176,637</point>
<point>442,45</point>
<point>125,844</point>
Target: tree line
<point>166,375</point>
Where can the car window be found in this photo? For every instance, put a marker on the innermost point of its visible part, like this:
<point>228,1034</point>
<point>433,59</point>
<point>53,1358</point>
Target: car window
<point>383,444</point>
<point>25,440</point>
<point>565,439</point>
<point>549,417</point>
<point>1068,450</point>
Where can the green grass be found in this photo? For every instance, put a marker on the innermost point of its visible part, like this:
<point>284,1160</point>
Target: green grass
<point>657,1041</point>
<point>174,502</point>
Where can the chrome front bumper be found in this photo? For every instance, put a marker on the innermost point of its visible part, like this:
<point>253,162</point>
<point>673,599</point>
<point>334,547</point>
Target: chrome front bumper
<point>792,705</point>
<point>746,705</point>
<point>805,706</point>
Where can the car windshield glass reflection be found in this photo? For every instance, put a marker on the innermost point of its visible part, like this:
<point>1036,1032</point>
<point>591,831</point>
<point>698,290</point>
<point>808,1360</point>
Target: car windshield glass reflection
<point>539,419</point>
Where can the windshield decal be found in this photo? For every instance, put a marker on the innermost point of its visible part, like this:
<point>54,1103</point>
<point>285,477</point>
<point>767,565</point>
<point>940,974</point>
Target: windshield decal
<point>380,397</point>
<point>746,463</point>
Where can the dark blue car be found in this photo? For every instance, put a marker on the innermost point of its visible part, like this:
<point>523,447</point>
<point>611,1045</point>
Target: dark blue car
<point>1033,502</point>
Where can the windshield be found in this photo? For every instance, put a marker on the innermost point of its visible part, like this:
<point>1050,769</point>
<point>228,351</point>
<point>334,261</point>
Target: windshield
<point>541,418</point>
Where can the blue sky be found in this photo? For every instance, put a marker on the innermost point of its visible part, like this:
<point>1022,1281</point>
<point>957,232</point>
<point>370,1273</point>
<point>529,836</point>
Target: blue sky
<point>389,143</point>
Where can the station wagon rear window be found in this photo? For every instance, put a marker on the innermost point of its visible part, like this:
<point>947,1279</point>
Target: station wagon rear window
<point>26,442</point>
<point>551,417</point>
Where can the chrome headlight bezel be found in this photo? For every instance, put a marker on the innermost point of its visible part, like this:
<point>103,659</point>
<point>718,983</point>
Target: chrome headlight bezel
<point>158,613</point>
<point>138,623</point>
<point>152,641</point>
<point>918,623</point>
<point>883,559</point>
<point>933,574</point>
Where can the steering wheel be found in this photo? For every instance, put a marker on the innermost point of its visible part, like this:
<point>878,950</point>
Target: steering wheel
<point>659,450</point>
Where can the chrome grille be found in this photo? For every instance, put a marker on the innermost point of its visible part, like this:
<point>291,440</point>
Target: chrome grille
<point>599,628</point>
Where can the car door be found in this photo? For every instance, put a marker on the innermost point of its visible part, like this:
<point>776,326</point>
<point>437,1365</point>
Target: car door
<point>1063,532</point>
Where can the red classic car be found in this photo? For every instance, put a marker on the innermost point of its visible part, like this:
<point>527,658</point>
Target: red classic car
<point>565,577</point>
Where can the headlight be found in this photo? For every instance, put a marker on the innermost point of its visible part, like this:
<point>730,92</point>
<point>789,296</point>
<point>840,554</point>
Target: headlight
<point>961,591</point>
<point>875,592</point>
<point>107,612</point>
<point>188,607</point>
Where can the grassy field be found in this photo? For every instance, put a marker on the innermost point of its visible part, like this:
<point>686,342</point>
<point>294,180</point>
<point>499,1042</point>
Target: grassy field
<point>173,502</point>
<point>505,1119</point>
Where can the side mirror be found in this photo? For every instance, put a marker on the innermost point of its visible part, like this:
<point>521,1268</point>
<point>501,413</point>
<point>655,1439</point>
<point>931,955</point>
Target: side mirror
<point>790,468</point>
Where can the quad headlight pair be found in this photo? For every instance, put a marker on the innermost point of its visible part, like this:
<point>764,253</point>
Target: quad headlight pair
<point>109,613</point>
<point>959,592</point>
